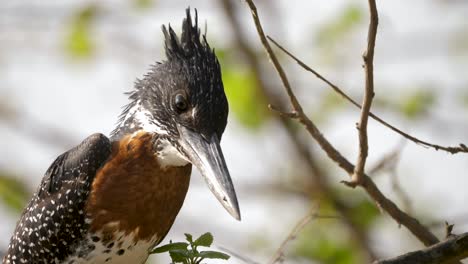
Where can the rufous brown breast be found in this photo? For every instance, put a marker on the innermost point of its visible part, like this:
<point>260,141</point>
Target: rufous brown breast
<point>132,193</point>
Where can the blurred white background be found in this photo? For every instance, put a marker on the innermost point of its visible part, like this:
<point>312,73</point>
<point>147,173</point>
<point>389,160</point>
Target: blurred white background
<point>63,73</point>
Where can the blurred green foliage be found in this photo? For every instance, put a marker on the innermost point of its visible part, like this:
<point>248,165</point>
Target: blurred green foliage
<point>331,36</point>
<point>341,24</point>
<point>330,103</point>
<point>417,103</point>
<point>412,103</point>
<point>328,241</point>
<point>364,213</point>
<point>13,193</point>
<point>463,98</point>
<point>316,245</point>
<point>240,85</point>
<point>248,108</point>
<point>78,41</point>
<point>143,4</point>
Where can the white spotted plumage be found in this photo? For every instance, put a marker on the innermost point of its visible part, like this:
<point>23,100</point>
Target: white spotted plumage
<point>124,249</point>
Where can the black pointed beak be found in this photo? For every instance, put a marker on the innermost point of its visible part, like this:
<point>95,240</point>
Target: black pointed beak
<point>207,156</point>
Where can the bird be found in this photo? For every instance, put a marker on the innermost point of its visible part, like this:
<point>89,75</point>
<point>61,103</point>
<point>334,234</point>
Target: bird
<point>112,199</point>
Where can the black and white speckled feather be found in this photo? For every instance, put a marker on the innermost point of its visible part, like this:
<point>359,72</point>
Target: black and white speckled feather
<point>54,221</point>
<point>55,226</point>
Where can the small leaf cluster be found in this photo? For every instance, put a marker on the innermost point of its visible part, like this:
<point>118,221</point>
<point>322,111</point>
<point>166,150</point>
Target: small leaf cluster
<point>188,252</point>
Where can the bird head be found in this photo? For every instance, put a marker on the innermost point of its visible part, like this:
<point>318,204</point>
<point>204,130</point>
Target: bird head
<point>182,100</point>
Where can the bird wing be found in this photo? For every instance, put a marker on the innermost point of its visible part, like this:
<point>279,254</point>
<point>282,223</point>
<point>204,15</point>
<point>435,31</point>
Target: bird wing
<point>54,222</point>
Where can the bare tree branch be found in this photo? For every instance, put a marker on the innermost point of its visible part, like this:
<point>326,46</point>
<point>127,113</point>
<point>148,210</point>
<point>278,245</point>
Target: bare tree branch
<point>447,252</point>
<point>453,150</point>
<point>421,232</point>
<point>368,58</point>
<point>318,176</point>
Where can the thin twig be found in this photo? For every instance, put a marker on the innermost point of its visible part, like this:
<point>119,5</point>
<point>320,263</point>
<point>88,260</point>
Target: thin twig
<point>421,232</point>
<point>319,177</point>
<point>453,150</point>
<point>368,58</point>
<point>461,219</point>
<point>448,230</point>
<point>295,104</point>
<point>279,254</point>
<point>292,115</point>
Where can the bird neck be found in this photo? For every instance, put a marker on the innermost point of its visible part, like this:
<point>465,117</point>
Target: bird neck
<point>135,117</point>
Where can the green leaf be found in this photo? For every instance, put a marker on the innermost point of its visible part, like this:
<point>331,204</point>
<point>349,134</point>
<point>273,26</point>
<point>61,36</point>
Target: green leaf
<point>204,240</point>
<point>179,255</point>
<point>213,255</point>
<point>78,42</point>
<point>170,247</point>
<point>188,237</point>
<point>13,192</point>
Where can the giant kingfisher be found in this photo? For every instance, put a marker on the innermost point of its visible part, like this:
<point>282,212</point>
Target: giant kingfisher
<point>111,200</point>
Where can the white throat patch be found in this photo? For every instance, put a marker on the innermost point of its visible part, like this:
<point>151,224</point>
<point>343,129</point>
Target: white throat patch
<point>142,117</point>
<point>168,155</point>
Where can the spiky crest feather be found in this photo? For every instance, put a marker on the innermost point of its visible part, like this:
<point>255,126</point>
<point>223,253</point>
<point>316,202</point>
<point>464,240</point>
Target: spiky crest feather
<point>190,44</point>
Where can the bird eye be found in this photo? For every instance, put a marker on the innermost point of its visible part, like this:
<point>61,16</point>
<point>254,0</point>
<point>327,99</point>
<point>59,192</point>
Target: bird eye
<point>180,102</point>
